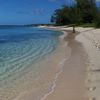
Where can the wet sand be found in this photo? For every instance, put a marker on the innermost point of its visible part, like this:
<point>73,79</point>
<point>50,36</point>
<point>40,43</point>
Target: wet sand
<point>52,66</point>
<point>71,83</point>
<point>79,78</point>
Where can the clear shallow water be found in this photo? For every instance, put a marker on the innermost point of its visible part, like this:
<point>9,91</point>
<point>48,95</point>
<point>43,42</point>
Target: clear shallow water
<point>20,47</point>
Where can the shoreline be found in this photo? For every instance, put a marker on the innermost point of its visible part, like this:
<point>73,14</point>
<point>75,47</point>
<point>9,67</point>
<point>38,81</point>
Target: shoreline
<point>39,79</point>
<point>53,65</point>
<point>72,69</point>
<point>61,87</point>
<point>61,64</point>
<point>90,41</point>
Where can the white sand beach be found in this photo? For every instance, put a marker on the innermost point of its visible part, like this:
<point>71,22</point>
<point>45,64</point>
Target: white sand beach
<point>80,79</point>
<point>90,38</point>
<point>79,75</point>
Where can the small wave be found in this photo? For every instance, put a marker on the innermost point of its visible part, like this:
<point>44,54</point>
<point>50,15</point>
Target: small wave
<point>16,58</point>
<point>61,66</point>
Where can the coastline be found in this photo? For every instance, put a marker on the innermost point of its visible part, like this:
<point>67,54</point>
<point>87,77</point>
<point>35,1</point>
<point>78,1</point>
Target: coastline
<point>76,64</point>
<point>71,82</point>
<point>40,77</point>
<point>89,41</point>
<point>53,65</point>
<point>90,38</point>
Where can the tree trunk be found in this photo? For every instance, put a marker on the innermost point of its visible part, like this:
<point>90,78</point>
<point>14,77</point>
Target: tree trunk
<point>74,31</point>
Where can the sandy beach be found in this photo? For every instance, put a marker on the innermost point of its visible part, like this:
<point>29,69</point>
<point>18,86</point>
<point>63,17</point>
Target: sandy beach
<point>90,38</point>
<point>71,71</point>
<point>50,50</point>
<point>71,83</point>
<point>80,79</point>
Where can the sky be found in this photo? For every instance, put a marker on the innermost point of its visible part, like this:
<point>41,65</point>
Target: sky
<point>28,11</point>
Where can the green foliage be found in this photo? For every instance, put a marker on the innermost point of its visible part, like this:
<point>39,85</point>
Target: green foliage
<point>87,10</point>
<point>82,11</point>
<point>61,16</point>
<point>97,24</point>
<point>86,25</point>
<point>97,19</point>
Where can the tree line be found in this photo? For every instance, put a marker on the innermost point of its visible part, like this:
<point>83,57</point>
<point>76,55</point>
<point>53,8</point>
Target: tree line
<point>81,12</point>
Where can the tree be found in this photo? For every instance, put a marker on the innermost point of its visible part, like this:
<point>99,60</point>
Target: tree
<point>64,16</point>
<point>61,16</point>
<point>97,19</point>
<point>87,10</point>
<point>82,11</point>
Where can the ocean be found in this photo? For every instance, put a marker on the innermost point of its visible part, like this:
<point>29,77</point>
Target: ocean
<point>21,51</point>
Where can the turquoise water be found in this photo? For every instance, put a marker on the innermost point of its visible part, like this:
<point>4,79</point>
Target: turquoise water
<point>20,47</point>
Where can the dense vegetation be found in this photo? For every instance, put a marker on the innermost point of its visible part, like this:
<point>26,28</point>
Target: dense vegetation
<point>80,13</point>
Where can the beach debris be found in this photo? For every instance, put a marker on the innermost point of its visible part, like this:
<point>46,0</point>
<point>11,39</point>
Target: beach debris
<point>91,88</point>
<point>92,98</point>
<point>96,70</point>
<point>89,80</point>
<point>97,45</point>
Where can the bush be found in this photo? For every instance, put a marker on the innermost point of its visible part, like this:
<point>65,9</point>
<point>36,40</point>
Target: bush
<point>97,24</point>
<point>97,20</point>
